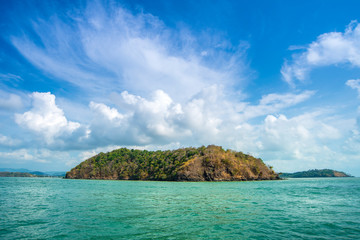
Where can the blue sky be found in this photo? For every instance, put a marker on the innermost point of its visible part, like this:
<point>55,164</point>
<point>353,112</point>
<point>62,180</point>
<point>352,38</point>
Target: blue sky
<point>277,79</point>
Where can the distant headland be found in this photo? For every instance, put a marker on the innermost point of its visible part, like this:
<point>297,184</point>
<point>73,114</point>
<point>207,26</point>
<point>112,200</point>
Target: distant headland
<point>211,163</point>
<point>315,173</point>
<point>16,174</point>
<point>22,172</point>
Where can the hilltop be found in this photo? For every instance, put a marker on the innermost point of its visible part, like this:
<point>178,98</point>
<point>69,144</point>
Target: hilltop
<point>314,173</point>
<point>211,163</point>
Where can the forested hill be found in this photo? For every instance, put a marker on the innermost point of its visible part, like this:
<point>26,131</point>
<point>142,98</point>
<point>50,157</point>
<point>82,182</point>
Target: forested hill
<point>211,163</point>
<point>315,173</point>
<point>16,174</point>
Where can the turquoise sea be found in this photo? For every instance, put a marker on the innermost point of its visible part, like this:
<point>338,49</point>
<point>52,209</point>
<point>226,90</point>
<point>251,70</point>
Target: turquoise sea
<point>48,208</point>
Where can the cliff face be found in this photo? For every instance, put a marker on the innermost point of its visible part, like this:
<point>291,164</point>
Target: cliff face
<point>210,163</point>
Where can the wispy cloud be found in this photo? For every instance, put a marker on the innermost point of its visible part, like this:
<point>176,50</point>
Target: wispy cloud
<point>354,84</point>
<point>8,141</point>
<point>329,49</point>
<point>272,103</point>
<point>111,49</point>
<point>10,101</point>
<point>9,77</point>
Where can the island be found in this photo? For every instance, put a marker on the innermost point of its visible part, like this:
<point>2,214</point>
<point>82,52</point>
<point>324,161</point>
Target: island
<point>16,174</point>
<point>211,163</point>
<point>315,173</point>
<point>22,172</point>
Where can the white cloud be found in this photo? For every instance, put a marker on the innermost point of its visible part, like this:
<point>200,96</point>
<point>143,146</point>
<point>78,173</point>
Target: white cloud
<point>37,158</point>
<point>298,134</point>
<point>109,113</point>
<point>144,121</point>
<point>292,144</point>
<point>19,155</point>
<point>46,118</point>
<point>8,141</point>
<point>160,120</point>
<point>272,103</point>
<point>111,49</point>
<point>354,84</point>
<point>329,49</point>
<point>10,78</point>
<point>10,102</point>
<point>208,117</point>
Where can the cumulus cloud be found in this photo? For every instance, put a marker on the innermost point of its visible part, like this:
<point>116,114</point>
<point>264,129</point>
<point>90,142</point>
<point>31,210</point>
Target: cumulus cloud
<point>45,118</point>
<point>145,120</point>
<point>329,49</point>
<point>108,113</point>
<point>208,117</point>
<point>111,49</point>
<point>305,139</point>
<point>296,134</point>
<point>159,122</point>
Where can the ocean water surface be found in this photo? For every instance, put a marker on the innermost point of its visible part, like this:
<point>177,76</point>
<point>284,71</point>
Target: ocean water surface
<point>50,208</point>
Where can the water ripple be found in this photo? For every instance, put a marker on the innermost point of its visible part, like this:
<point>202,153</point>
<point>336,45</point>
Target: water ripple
<point>43,208</point>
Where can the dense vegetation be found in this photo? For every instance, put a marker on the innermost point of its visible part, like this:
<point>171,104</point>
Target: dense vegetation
<point>16,174</point>
<point>210,163</point>
<point>315,173</point>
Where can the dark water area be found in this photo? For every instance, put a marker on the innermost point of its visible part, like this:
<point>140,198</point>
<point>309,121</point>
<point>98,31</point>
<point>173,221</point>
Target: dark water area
<point>51,208</point>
